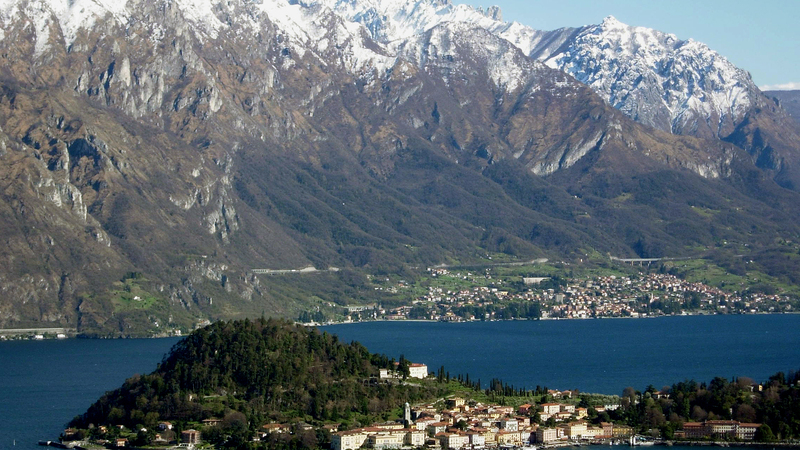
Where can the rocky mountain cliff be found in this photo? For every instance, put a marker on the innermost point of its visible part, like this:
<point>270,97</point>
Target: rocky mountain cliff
<point>155,153</point>
<point>678,86</point>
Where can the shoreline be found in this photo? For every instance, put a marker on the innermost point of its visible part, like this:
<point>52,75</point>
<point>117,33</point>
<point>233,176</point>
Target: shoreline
<point>27,334</point>
<point>730,444</point>
<point>673,443</point>
<point>553,319</point>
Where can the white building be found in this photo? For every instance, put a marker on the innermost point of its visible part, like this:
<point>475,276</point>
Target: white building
<point>386,439</point>
<point>509,424</point>
<point>453,441</point>
<point>476,440</point>
<point>418,370</point>
<point>377,438</point>
<point>545,435</point>
<point>414,371</point>
<point>415,438</point>
<point>348,440</point>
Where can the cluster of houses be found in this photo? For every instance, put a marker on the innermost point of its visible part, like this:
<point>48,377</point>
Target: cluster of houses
<point>603,296</point>
<point>165,435</point>
<point>378,436</point>
<point>611,296</point>
<point>460,425</point>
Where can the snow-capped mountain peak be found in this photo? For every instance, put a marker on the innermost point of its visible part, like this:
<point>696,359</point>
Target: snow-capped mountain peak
<point>676,85</point>
<point>397,20</point>
<point>611,22</point>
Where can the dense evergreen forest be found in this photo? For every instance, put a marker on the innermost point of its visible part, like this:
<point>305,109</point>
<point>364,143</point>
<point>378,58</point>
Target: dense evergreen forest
<point>245,374</point>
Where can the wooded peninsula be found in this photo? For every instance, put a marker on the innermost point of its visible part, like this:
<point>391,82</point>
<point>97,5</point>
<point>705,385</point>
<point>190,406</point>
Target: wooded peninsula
<point>272,384</point>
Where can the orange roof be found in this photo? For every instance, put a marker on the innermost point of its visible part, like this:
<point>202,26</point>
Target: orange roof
<point>349,432</point>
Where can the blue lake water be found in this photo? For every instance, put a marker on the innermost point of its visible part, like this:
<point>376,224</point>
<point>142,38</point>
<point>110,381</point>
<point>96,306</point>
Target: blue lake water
<point>601,355</point>
<point>43,384</point>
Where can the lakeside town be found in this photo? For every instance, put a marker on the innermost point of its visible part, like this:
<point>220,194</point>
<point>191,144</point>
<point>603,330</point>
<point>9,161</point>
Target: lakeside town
<point>480,296</point>
<point>464,296</point>
<point>450,295</point>
<point>456,423</point>
<point>451,423</point>
<point>461,425</point>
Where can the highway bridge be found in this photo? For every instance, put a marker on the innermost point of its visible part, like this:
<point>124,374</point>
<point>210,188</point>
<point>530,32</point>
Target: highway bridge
<point>304,270</point>
<point>648,261</point>
<point>482,265</point>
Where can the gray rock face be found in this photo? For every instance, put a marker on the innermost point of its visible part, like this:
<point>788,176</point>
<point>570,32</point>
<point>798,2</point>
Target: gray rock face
<point>162,150</point>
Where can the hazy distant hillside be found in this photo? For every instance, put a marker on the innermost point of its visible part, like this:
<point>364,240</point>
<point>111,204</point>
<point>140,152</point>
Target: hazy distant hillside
<point>789,100</point>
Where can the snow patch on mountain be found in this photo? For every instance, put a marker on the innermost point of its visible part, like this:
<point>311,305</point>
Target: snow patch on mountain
<point>655,78</point>
<point>70,15</point>
<point>201,12</point>
<point>398,20</point>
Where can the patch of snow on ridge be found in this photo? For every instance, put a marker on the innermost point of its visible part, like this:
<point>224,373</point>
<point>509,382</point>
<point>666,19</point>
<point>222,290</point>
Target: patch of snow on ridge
<point>399,20</point>
<point>651,76</point>
<point>506,72</point>
<point>201,13</point>
<point>290,18</point>
<point>654,77</point>
<point>72,15</point>
<point>314,26</point>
